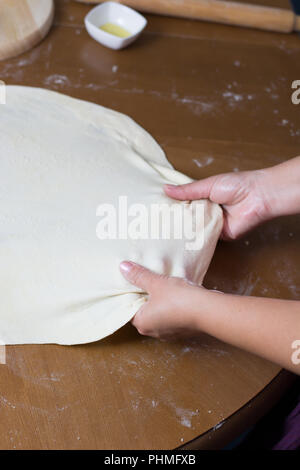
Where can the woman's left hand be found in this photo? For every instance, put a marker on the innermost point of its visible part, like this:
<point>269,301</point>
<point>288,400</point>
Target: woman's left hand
<point>171,308</point>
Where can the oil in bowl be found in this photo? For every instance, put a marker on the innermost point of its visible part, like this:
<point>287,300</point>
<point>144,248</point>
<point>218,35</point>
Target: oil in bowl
<point>115,30</point>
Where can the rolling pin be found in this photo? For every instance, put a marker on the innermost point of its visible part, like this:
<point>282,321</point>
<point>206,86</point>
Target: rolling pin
<point>220,11</point>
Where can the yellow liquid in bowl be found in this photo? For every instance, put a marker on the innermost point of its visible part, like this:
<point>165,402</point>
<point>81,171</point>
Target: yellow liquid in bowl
<point>115,29</point>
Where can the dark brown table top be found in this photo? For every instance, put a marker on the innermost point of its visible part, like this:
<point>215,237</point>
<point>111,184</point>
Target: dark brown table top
<point>217,98</point>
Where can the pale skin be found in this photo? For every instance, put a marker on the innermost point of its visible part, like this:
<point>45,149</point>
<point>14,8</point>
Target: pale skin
<point>176,308</point>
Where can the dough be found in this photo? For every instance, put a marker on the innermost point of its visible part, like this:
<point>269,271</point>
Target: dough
<point>61,158</point>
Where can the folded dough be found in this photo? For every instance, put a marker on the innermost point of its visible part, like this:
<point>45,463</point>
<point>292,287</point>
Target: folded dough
<point>60,159</point>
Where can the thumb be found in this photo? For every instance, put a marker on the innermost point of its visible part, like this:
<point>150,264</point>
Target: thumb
<point>138,275</point>
<point>190,191</point>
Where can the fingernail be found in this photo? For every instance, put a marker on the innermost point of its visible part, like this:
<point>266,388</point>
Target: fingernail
<point>170,186</point>
<point>126,266</point>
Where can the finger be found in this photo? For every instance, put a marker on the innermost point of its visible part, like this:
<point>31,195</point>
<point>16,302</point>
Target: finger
<point>137,320</point>
<point>190,191</point>
<point>138,275</point>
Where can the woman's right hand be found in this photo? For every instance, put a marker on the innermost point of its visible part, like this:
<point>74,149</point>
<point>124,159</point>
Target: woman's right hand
<point>248,198</point>
<point>242,196</point>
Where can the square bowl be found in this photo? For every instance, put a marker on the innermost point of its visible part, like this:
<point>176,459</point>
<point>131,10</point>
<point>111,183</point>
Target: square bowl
<point>120,15</point>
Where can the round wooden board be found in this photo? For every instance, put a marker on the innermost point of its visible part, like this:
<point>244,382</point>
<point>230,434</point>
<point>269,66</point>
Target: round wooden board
<point>23,24</point>
<point>217,99</point>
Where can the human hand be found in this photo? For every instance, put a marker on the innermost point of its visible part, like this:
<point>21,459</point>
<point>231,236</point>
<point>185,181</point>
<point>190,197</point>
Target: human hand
<point>171,309</point>
<point>243,196</point>
<point>177,308</point>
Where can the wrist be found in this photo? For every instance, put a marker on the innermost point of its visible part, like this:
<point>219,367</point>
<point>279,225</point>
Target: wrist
<point>273,199</point>
<point>205,303</point>
<point>265,191</point>
<point>280,186</point>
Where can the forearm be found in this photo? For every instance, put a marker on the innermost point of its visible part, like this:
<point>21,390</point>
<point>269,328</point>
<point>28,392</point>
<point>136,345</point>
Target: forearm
<point>281,185</point>
<point>266,327</point>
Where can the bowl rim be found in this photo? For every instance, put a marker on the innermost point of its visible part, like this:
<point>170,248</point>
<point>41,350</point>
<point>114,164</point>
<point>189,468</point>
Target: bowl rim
<point>89,24</point>
<point>119,6</point>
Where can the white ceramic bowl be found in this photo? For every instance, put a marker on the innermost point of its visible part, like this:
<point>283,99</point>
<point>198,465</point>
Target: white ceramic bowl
<point>112,12</point>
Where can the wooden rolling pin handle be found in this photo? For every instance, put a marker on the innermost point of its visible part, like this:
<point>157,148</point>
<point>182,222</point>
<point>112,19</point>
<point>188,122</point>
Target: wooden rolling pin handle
<point>233,13</point>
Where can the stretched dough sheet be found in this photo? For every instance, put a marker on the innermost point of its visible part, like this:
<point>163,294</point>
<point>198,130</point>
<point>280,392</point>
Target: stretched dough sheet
<point>60,159</point>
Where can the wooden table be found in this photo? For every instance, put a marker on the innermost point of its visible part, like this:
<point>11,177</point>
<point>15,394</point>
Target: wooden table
<point>217,98</point>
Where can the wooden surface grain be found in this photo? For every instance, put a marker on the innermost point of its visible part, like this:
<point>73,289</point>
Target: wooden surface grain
<point>217,98</point>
